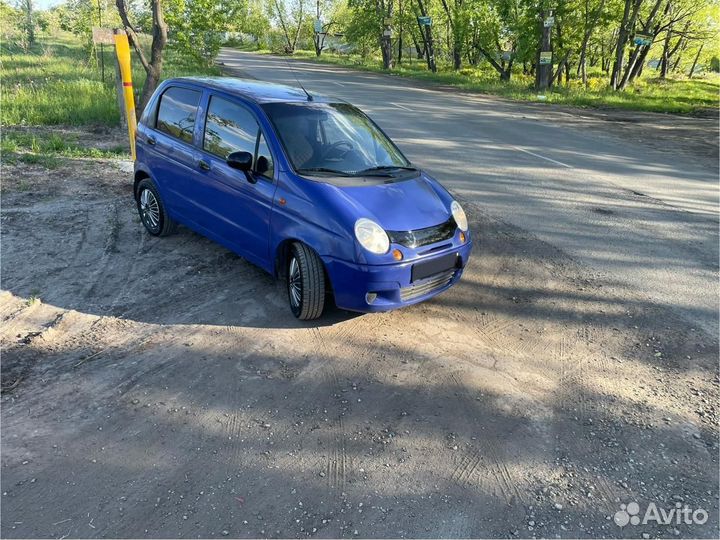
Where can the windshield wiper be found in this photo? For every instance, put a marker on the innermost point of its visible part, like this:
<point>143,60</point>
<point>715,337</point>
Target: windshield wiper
<point>323,170</point>
<point>384,169</point>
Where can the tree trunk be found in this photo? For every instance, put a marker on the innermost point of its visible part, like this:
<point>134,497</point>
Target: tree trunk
<point>385,40</point>
<point>505,71</point>
<point>400,33</point>
<point>426,32</point>
<point>665,55</point>
<point>153,67</point>
<point>630,12</point>
<point>647,29</point>
<point>590,24</point>
<point>694,64</point>
<point>638,65</point>
<point>456,44</point>
<point>27,7</point>
<point>543,72</point>
<point>319,40</point>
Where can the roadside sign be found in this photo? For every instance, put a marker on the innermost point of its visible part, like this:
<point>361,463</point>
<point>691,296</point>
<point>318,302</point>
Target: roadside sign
<point>317,26</point>
<point>425,21</point>
<point>549,22</point>
<point>387,21</point>
<point>103,35</point>
<point>642,39</point>
<point>387,33</point>
<point>545,58</point>
<point>506,55</point>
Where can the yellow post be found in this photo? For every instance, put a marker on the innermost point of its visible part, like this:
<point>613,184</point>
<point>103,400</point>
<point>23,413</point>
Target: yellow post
<point>122,49</point>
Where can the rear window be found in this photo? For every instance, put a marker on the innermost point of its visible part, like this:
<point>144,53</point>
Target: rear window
<point>177,111</point>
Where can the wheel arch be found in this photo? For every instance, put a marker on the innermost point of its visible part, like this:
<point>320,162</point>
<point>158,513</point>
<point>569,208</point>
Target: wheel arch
<point>282,257</point>
<point>140,175</point>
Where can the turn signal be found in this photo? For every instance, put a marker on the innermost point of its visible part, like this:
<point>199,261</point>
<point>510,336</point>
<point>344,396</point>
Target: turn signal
<point>462,237</point>
<point>397,255</point>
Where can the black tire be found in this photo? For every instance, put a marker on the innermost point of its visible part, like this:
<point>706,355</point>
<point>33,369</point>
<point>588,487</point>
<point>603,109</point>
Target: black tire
<point>152,210</point>
<point>305,283</point>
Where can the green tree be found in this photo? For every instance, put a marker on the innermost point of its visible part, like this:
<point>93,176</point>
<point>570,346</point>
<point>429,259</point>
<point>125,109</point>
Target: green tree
<point>197,27</point>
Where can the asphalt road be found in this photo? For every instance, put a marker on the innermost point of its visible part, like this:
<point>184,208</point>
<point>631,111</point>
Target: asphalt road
<point>644,219</point>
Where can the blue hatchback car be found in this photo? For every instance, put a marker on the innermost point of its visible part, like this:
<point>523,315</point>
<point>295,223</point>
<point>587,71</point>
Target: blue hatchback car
<point>304,186</point>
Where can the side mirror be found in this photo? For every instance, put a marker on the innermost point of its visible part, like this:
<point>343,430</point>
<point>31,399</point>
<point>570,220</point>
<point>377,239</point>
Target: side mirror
<point>241,161</point>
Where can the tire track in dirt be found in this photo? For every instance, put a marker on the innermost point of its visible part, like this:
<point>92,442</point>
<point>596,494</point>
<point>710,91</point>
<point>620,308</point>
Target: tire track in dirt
<point>484,466</point>
<point>108,249</point>
<point>336,465</point>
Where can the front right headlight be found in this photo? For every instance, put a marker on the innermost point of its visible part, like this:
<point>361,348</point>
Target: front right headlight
<point>459,216</point>
<point>371,236</point>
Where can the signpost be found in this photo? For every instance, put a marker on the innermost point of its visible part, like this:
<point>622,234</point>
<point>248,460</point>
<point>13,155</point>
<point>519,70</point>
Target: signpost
<point>642,39</point>
<point>545,58</point>
<point>317,26</point>
<point>425,21</point>
<point>103,35</point>
<point>549,22</point>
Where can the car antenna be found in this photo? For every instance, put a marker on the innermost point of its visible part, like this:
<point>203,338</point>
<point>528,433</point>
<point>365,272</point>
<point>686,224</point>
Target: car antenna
<point>309,97</point>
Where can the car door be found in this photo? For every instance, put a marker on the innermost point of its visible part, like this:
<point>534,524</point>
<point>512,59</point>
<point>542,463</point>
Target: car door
<point>237,205</point>
<point>171,154</point>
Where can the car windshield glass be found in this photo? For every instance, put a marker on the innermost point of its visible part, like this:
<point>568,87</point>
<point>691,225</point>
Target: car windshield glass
<point>334,138</point>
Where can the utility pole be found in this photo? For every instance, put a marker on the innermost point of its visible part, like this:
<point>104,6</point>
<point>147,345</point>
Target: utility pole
<point>543,73</point>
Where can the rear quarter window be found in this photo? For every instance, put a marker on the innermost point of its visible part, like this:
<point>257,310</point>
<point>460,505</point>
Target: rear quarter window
<point>177,111</point>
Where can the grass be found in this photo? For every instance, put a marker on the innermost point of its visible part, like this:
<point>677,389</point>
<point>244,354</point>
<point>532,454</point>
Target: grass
<point>55,145</point>
<point>57,82</point>
<point>680,95</point>
<point>47,150</point>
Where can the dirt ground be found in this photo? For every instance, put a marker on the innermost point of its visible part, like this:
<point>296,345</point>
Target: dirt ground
<point>161,388</point>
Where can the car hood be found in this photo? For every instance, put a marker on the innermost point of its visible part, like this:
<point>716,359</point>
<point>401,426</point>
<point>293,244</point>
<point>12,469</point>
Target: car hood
<point>399,206</point>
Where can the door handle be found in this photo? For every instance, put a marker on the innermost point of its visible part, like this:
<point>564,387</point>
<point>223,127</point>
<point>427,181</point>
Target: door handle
<point>151,140</point>
<point>204,165</point>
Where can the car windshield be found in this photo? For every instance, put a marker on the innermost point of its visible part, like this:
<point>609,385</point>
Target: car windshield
<point>334,138</point>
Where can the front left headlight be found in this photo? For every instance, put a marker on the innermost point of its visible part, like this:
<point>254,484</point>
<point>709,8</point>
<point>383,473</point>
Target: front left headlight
<point>459,216</point>
<point>371,236</point>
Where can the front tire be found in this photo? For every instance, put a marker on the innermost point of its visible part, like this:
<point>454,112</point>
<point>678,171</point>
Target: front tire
<point>152,210</point>
<point>305,283</point>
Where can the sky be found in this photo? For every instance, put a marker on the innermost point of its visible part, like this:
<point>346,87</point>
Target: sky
<point>44,4</point>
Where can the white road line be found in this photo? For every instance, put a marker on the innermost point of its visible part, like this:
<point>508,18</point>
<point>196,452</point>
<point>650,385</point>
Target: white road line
<point>403,107</point>
<point>338,83</point>
<point>543,157</point>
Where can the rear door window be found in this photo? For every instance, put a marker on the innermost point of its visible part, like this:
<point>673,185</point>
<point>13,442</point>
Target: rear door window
<point>177,111</point>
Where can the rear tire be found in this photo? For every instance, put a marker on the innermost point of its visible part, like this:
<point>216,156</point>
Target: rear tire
<point>152,211</point>
<point>305,283</point>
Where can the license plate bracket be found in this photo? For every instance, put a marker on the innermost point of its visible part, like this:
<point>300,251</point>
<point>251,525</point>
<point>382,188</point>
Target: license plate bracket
<point>429,268</point>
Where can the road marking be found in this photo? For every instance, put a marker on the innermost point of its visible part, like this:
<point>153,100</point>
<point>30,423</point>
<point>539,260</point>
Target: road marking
<point>543,157</point>
<point>338,83</point>
<point>403,107</point>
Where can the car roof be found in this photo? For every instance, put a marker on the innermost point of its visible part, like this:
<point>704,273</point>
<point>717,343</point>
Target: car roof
<point>257,91</point>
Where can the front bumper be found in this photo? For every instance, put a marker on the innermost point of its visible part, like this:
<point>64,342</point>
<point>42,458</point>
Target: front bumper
<point>391,283</point>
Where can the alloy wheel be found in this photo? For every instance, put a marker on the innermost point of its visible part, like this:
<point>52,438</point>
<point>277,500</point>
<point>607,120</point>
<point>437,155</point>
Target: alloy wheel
<point>149,209</point>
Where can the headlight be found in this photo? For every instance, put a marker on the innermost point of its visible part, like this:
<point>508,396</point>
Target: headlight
<point>371,236</point>
<point>459,215</point>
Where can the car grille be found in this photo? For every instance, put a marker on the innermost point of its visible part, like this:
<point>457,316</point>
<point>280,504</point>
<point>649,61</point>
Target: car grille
<point>423,237</point>
<point>438,281</point>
